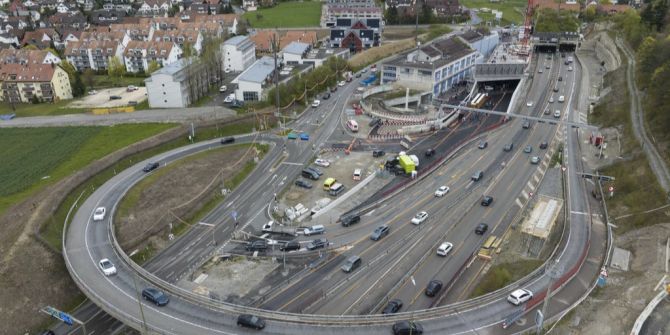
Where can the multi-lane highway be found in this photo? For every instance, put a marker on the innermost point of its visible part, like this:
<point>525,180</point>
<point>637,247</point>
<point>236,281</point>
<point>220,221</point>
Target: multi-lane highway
<point>408,249</point>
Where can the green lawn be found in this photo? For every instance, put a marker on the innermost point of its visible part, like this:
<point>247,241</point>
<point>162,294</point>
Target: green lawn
<point>22,110</point>
<point>294,14</point>
<point>104,81</point>
<point>36,157</point>
<point>513,10</point>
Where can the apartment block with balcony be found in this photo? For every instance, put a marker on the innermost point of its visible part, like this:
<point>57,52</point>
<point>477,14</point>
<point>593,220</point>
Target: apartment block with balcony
<point>26,83</point>
<point>139,54</point>
<point>93,54</point>
<point>180,37</point>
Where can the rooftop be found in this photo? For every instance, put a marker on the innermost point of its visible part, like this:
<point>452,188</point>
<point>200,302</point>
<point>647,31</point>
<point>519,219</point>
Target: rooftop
<point>258,72</point>
<point>237,40</point>
<point>296,48</point>
<point>448,50</point>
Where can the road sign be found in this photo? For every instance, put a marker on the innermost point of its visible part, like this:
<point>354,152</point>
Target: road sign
<point>563,168</point>
<point>611,188</point>
<point>66,318</point>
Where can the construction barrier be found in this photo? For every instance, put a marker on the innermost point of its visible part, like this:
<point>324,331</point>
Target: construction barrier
<point>111,110</point>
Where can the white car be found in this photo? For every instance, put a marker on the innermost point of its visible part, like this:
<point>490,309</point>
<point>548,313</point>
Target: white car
<point>92,92</point>
<point>99,214</point>
<point>551,99</point>
<point>529,104</point>
<point>444,248</point>
<point>442,191</point>
<point>229,98</point>
<point>322,162</point>
<point>268,227</point>
<point>227,70</point>
<point>557,114</point>
<point>519,296</point>
<point>342,83</point>
<point>561,98</point>
<point>223,88</point>
<point>107,267</point>
<point>569,68</point>
<point>316,103</point>
<point>419,218</point>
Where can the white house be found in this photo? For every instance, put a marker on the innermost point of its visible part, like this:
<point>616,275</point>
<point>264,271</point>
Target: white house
<point>252,82</point>
<point>294,52</point>
<point>167,87</point>
<point>238,53</point>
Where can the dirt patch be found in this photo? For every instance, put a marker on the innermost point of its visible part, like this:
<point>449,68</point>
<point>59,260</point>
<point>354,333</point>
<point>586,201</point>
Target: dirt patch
<point>175,193</point>
<point>101,98</point>
<point>374,54</point>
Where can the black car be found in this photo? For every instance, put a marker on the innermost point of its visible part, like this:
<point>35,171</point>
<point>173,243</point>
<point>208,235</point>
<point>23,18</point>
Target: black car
<point>392,307</point>
<point>317,244</point>
<point>508,147</point>
<point>250,321</point>
<point>560,78</point>
<point>380,232</point>
<point>543,145</point>
<point>487,200</point>
<point>525,124</point>
<point>430,152</point>
<point>317,171</point>
<point>333,89</point>
<point>433,287</point>
<point>227,140</point>
<point>481,229</point>
<point>303,183</point>
<point>259,245</point>
<point>378,153</point>
<point>407,328</point>
<point>308,173</point>
<point>326,96</point>
<point>358,75</point>
<point>290,246</point>
<point>115,97</point>
<point>375,121</point>
<point>150,167</point>
<point>348,220</point>
<point>156,296</point>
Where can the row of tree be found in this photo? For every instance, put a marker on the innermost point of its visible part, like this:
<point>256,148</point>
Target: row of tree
<point>550,20</point>
<point>394,16</point>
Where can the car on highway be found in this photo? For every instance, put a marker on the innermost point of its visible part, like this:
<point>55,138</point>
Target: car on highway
<point>560,78</point>
<point>250,321</point>
<point>569,68</point>
<point>228,140</point>
<point>316,229</point>
<point>115,97</point>
<point>529,104</point>
<point>155,296</point>
<point>223,89</point>
<point>419,218</point>
<point>150,167</point>
<point>380,232</point>
<point>326,96</point>
<point>487,200</point>
<point>229,99</point>
<point>519,296</point>
<point>107,267</point>
<point>444,249</point>
<point>392,307</point>
<point>322,162</point>
<point>351,264</point>
<point>292,136</point>
<point>557,113</point>
<point>540,70</point>
<point>433,287</point>
<point>561,98</point>
<point>528,149</point>
<point>508,147</point>
<point>290,246</point>
<point>544,145</point>
<point>316,103</point>
<point>525,124</point>
<point>341,83</point>
<point>304,136</point>
<point>534,160</point>
<point>477,176</point>
<point>258,245</point>
<point>430,152</point>
<point>99,214</point>
<point>551,99</point>
<point>483,144</point>
<point>378,153</point>
<point>442,191</point>
<point>319,243</point>
<point>349,219</point>
<point>407,328</point>
<point>548,67</point>
<point>481,228</point>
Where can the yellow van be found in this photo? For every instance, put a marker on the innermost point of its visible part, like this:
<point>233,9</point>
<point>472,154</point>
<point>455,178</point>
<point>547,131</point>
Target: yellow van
<point>489,247</point>
<point>328,183</point>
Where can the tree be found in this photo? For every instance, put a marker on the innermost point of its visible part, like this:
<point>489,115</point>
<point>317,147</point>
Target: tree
<point>590,13</point>
<point>89,77</point>
<point>78,88</point>
<point>392,15</point>
<point>242,27</point>
<point>153,66</point>
<point>187,50</point>
<point>426,14</point>
<point>115,68</point>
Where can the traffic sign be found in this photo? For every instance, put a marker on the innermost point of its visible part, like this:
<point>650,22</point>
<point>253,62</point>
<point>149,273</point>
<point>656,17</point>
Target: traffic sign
<point>611,188</point>
<point>563,168</point>
<point>66,318</point>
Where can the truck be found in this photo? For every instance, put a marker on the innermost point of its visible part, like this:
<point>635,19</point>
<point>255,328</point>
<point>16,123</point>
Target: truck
<point>406,163</point>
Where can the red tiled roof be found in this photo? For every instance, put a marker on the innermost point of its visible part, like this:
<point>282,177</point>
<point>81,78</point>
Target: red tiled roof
<point>24,73</point>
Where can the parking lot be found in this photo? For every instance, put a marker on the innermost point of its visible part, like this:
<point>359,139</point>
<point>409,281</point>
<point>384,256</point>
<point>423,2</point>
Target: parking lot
<point>102,98</point>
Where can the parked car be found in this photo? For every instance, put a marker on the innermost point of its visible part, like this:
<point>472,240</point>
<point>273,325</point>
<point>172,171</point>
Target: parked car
<point>107,267</point>
<point>99,214</point>
<point>156,296</point>
<point>227,70</point>
<point>434,286</point>
<point>322,162</point>
<point>407,328</point>
<point>317,244</point>
<point>223,88</point>
<point>290,246</point>
<point>228,140</point>
<point>258,245</point>
<point>92,92</point>
<point>341,83</point>
<point>230,98</point>
<point>380,232</point>
<point>481,228</point>
<point>131,88</point>
<point>303,183</point>
<point>317,171</point>
<point>442,191</point>
<point>250,321</point>
<point>519,296</point>
<point>151,166</point>
<point>444,248</point>
<point>487,200</point>
<point>393,306</point>
<point>378,153</point>
<point>508,147</point>
<point>419,218</point>
<point>132,103</point>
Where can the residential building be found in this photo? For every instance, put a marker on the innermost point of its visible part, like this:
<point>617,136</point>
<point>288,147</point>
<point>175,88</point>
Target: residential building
<point>27,83</point>
<point>191,37</point>
<point>139,54</point>
<point>400,4</point>
<point>250,5</point>
<point>252,82</point>
<point>352,3</point>
<point>262,39</point>
<point>434,67</point>
<point>68,20</point>
<point>66,36</point>
<point>297,53</point>
<point>16,8</point>
<point>154,8</point>
<point>27,57</point>
<point>238,53</point>
<point>179,84</point>
<point>105,17</point>
<point>355,34</point>
<point>40,38</point>
<point>93,54</point>
<point>302,36</point>
<point>443,8</point>
<point>137,31</point>
<point>555,5</point>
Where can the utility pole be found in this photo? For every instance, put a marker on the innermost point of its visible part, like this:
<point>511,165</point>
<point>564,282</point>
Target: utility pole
<point>416,25</point>
<point>139,302</point>
<point>275,46</point>
<point>553,271</point>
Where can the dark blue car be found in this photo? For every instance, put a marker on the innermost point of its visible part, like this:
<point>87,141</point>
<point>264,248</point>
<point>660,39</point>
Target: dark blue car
<point>154,295</point>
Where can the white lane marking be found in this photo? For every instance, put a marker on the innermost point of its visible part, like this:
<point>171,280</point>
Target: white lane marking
<point>206,224</point>
<point>518,202</point>
<point>578,213</point>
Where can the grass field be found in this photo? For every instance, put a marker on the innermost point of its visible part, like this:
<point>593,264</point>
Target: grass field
<point>500,275</point>
<point>58,108</point>
<point>294,14</point>
<point>36,157</point>
<point>513,10</point>
<point>104,81</point>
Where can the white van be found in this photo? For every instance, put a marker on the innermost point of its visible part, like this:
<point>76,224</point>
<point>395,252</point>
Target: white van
<point>357,174</point>
<point>352,125</point>
<point>336,189</point>
<point>318,229</point>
